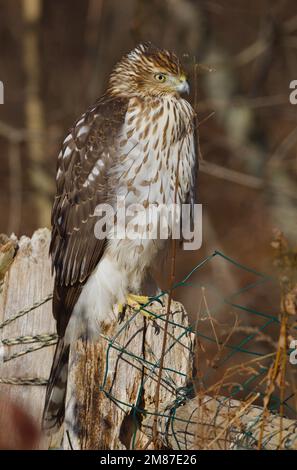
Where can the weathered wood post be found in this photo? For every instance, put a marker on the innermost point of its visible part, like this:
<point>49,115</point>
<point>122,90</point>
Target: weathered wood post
<point>26,321</point>
<point>112,384</point>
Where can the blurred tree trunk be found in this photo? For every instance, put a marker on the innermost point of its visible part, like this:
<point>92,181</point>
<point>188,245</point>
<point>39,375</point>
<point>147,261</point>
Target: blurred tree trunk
<point>34,112</point>
<point>92,41</point>
<point>245,137</point>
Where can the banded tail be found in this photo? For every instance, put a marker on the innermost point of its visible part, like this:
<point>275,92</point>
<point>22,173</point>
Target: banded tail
<point>54,408</point>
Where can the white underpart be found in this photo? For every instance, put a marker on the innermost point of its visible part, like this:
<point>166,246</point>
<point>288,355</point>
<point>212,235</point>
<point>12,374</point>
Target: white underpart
<point>106,287</point>
<point>125,262</point>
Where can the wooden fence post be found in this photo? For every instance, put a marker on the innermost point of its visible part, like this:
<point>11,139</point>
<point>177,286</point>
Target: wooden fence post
<point>27,283</point>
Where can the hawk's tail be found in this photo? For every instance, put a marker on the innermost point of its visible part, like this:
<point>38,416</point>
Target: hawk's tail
<point>54,408</point>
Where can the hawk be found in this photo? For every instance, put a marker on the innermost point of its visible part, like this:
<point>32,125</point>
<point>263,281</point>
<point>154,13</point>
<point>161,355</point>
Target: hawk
<point>138,142</point>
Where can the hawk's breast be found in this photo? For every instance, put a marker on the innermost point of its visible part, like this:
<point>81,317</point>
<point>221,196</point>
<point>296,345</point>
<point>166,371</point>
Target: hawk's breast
<point>156,151</point>
<point>156,168</point>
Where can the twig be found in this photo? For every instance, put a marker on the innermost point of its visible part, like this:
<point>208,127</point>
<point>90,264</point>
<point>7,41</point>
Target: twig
<point>231,175</point>
<point>15,183</point>
<point>172,281</point>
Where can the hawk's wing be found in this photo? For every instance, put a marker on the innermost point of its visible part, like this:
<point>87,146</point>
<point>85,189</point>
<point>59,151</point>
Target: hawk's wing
<point>88,152</point>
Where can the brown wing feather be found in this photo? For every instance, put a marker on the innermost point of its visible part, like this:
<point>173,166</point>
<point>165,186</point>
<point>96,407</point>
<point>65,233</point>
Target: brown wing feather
<point>74,248</point>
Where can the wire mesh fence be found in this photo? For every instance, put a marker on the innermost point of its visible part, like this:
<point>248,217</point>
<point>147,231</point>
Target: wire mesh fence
<point>250,364</point>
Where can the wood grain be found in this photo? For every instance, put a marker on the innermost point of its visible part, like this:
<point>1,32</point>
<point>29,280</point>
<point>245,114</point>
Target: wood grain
<point>28,280</point>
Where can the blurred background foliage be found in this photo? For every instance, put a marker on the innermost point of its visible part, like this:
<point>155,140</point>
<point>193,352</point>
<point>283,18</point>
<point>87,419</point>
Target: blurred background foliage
<point>55,58</point>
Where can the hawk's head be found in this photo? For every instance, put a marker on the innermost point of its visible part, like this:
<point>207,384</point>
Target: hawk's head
<point>148,71</point>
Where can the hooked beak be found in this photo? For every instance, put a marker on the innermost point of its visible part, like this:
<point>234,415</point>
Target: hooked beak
<point>183,87</point>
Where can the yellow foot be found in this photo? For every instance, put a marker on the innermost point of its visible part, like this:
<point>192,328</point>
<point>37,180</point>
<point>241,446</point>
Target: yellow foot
<point>138,301</point>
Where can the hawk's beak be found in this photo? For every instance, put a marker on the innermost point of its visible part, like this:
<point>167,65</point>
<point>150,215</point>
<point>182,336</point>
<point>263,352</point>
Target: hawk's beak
<point>183,86</point>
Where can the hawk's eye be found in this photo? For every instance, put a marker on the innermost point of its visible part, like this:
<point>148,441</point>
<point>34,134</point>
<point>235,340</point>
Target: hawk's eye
<point>160,77</point>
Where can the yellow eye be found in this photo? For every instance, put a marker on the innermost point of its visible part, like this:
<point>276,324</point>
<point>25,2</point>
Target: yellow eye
<point>160,77</point>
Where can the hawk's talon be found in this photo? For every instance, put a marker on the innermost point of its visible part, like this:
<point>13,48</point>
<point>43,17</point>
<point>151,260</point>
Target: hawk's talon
<point>121,312</point>
<point>156,327</point>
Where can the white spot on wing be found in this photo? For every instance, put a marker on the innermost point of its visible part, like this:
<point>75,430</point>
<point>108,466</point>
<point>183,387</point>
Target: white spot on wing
<point>79,123</point>
<point>67,152</point>
<point>83,130</point>
<point>68,138</point>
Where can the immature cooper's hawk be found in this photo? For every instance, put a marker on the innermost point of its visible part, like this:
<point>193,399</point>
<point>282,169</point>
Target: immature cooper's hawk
<point>136,142</point>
